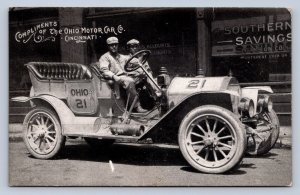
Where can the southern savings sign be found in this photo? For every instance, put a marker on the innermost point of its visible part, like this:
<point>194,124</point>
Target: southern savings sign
<point>256,35</point>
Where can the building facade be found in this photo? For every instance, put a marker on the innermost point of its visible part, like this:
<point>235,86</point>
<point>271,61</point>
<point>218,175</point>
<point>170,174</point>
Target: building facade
<point>253,45</point>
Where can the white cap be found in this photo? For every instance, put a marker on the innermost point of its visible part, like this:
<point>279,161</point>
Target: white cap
<point>133,42</point>
<point>112,40</point>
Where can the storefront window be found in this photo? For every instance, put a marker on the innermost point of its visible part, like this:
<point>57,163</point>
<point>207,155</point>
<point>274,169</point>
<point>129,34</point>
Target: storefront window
<point>254,70</point>
<point>256,48</point>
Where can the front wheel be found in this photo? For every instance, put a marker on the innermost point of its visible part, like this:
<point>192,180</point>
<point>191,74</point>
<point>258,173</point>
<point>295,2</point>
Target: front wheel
<point>42,133</point>
<point>212,139</point>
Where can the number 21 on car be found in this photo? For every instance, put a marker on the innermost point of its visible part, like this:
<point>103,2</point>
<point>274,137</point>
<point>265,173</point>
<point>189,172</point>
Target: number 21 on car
<point>82,99</point>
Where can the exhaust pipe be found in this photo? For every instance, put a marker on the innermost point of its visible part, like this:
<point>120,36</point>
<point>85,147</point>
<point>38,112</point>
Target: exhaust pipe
<point>127,129</point>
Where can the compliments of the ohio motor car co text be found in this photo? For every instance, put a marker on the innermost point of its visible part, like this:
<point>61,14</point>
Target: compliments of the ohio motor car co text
<point>50,31</point>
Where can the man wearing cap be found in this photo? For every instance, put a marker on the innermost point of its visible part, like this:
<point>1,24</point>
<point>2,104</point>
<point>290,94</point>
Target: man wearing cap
<point>111,65</point>
<point>133,47</point>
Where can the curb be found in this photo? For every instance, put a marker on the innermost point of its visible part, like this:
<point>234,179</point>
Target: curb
<point>16,137</point>
<point>15,132</point>
<point>285,137</point>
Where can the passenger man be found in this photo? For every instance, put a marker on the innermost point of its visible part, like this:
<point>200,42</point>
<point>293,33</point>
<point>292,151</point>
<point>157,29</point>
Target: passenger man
<point>112,66</point>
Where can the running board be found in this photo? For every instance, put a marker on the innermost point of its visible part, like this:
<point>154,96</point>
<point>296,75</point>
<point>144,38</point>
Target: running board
<point>102,136</point>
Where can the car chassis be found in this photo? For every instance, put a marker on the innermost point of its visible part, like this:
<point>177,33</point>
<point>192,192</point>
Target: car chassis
<point>212,119</point>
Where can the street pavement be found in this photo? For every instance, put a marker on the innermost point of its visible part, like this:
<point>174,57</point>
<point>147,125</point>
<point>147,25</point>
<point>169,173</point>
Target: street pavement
<point>140,165</point>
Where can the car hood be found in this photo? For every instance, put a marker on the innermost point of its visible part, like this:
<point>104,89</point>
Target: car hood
<point>182,87</point>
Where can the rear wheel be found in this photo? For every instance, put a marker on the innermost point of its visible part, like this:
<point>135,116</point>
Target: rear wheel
<point>265,140</point>
<point>212,139</point>
<point>42,133</point>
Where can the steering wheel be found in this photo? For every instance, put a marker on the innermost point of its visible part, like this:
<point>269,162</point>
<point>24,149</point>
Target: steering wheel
<point>142,55</point>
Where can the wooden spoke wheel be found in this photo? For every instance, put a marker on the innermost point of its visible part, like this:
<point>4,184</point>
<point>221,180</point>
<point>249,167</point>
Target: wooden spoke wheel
<point>42,133</point>
<point>212,139</point>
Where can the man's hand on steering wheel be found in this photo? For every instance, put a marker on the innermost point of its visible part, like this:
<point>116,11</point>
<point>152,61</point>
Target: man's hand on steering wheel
<point>137,60</point>
<point>137,73</point>
<point>135,63</point>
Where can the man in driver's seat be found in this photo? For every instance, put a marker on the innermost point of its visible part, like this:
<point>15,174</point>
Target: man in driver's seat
<point>112,67</point>
<point>133,46</point>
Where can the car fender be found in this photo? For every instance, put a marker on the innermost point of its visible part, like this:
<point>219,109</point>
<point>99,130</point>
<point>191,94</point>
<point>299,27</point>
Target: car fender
<point>65,115</point>
<point>178,111</point>
<point>260,88</point>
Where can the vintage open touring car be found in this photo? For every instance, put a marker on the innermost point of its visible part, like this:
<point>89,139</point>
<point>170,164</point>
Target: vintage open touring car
<point>212,119</point>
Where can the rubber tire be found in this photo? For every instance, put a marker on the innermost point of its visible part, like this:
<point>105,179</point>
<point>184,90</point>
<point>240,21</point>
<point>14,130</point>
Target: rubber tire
<point>61,139</point>
<point>274,137</point>
<point>96,143</point>
<point>237,127</point>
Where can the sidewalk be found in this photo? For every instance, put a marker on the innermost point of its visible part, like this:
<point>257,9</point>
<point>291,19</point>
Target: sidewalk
<point>285,137</point>
<point>284,140</point>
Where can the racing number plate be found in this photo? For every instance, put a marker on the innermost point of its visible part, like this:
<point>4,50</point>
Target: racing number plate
<point>82,98</point>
